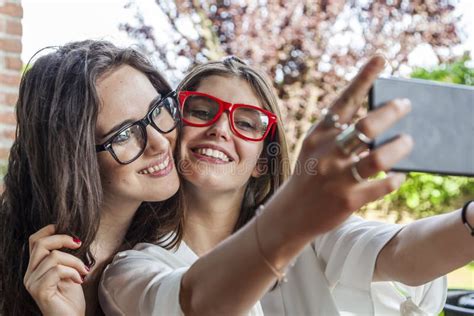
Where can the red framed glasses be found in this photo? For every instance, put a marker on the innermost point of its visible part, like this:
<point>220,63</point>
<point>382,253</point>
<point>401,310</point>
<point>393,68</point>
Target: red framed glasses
<point>249,122</point>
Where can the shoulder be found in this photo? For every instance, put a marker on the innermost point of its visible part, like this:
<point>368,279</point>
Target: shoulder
<point>144,254</point>
<point>138,266</point>
<point>131,283</point>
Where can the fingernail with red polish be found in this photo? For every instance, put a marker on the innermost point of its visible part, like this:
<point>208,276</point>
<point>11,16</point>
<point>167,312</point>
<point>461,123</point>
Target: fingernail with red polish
<point>76,240</point>
<point>88,268</point>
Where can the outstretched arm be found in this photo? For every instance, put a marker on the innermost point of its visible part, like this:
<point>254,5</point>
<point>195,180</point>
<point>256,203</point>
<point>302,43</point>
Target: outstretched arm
<point>427,249</point>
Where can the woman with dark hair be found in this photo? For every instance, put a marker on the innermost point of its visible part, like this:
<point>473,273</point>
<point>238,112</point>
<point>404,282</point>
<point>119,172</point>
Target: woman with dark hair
<point>250,242</point>
<point>92,154</point>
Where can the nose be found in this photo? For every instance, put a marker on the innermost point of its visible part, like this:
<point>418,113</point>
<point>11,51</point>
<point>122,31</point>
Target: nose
<point>220,128</point>
<point>158,143</point>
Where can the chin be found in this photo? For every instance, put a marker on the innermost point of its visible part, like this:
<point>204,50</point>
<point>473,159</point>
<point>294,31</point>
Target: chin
<point>165,193</point>
<point>209,182</point>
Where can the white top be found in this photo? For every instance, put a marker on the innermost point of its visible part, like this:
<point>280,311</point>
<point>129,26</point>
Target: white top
<point>332,276</point>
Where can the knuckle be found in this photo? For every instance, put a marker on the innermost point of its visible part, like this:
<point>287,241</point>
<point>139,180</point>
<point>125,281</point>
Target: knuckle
<point>327,167</point>
<point>55,255</point>
<point>365,127</point>
<point>323,171</point>
<point>26,283</point>
<point>56,269</point>
<point>346,98</point>
<point>40,243</point>
<point>78,262</point>
<point>395,109</point>
<point>32,241</point>
<point>338,164</point>
<point>364,74</point>
<point>31,288</point>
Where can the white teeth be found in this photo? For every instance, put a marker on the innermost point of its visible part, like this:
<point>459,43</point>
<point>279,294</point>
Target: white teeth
<point>213,153</point>
<point>156,168</point>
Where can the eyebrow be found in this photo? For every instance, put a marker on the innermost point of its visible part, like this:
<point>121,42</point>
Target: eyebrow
<point>119,125</point>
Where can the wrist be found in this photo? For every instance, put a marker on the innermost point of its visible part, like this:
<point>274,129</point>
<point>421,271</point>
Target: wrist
<point>470,213</point>
<point>467,216</point>
<point>278,240</point>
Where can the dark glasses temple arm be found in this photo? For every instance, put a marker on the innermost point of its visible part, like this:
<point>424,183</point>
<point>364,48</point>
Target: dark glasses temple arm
<point>99,148</point>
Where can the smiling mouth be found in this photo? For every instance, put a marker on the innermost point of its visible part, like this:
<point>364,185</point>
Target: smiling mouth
<point>156,168</point>
<point>212,153</point>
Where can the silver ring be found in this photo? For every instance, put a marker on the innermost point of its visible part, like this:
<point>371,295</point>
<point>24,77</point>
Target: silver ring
<point>356,174</point>
<point>351,140</point>
<point>332,120</point>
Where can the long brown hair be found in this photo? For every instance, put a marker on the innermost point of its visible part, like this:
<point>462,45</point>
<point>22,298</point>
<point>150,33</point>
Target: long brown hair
<point>53,173</point>
<point>274,161</point>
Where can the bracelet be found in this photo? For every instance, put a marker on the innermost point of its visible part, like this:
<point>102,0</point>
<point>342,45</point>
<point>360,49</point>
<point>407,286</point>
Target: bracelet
<point>280,275</point>
<point>464,218</point>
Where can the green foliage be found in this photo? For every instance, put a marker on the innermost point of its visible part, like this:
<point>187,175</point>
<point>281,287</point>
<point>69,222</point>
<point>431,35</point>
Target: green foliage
<point>426,194</point>
<point>457,72</point>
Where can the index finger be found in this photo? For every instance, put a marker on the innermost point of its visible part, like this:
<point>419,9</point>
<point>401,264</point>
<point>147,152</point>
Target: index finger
<point>349,102</point>
<point>43,232</point>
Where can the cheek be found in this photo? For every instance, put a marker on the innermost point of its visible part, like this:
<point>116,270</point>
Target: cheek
<point>188,134</point>
<point>106,163</point>
<point>111,173</point>
<point>251,152</point>
<point>171,137</point>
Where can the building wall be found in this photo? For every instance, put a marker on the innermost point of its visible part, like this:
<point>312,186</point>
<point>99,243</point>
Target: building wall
<point>11,65</point>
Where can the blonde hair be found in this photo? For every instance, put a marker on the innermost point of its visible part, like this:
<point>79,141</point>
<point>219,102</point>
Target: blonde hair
<point>274,163</point>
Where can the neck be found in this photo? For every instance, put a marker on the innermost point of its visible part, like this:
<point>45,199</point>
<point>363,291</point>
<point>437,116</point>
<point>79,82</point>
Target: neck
<point>210,217</point>
<point>115,218</point>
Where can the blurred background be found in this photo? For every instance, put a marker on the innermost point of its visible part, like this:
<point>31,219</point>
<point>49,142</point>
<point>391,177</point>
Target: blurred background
<point>310,49</point>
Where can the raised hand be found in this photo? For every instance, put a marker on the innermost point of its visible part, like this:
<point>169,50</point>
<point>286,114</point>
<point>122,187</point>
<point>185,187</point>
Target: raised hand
<point>337,188</point>
<point>54,278</point>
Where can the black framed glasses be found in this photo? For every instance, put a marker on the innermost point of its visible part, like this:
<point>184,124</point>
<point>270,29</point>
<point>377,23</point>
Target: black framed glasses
<point>129,142</point>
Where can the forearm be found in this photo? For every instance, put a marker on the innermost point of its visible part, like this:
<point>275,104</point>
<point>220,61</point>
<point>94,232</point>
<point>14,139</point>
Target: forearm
<point>427,249</point>
<point>234,276</point>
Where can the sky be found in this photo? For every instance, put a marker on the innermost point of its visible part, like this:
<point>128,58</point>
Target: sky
<point>56,22</point>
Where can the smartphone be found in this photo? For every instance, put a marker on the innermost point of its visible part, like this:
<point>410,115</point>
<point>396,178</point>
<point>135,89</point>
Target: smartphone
<point>441,123</point>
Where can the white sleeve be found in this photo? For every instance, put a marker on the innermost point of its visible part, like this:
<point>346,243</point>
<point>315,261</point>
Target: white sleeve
<point>349,253</point>
<point>146,282</point>
<point>136,283</point>
<point>350,250</point>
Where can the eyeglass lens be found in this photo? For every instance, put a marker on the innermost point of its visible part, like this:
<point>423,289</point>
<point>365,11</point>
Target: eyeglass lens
<point>130,143</point>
